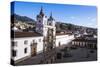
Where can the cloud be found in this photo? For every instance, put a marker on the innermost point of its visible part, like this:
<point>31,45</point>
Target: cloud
<point>72,17</point>
<point>93,19</point>
<point>92,25</point>
<point>88,17</point>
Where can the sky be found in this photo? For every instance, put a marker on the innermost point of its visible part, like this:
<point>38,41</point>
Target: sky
<point>67,13</point>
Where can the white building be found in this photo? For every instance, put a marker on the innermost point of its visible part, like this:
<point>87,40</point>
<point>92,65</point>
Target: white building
<point>27,44</point>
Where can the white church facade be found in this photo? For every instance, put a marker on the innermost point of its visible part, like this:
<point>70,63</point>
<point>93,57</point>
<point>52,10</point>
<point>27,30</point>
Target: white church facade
<point>27,44</point>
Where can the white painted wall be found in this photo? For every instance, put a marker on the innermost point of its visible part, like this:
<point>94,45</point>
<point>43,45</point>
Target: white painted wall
<point>63,39</point>
<point>20,46</point>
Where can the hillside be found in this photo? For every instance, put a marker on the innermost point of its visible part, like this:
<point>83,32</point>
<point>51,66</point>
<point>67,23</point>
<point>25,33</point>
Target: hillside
<point>26,19</point>
<point>29,23</point>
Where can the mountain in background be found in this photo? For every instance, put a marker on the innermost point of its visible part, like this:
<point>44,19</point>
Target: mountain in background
<point>60,26</point>
<point>15,18</point>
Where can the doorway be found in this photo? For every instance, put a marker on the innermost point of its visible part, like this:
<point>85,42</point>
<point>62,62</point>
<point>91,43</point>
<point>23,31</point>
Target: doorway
<point>33,49</point>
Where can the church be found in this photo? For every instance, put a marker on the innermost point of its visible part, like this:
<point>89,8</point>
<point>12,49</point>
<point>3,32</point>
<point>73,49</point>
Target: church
<point>44,40</point>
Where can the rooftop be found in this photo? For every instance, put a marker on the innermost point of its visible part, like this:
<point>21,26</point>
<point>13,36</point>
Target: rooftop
<point>25,34</point>
<point>19,34</point>
<point>94,40</point>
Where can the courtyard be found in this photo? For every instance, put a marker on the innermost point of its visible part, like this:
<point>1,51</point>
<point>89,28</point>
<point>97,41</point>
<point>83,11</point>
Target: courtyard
<point>65,54</point>
<point>77,55</point>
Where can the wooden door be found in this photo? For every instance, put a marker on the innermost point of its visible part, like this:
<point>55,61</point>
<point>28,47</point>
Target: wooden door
<point>33,49</point>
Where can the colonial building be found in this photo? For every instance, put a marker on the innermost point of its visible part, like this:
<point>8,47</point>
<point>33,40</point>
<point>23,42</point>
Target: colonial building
<point>88,41</point>
<point>43,41</point>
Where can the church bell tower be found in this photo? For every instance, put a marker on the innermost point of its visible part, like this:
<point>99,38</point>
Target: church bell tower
<point>41,22</point>
<point>46,27</point>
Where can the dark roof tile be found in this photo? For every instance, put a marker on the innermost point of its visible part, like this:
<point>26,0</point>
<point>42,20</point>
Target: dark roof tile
<point>26,34</point>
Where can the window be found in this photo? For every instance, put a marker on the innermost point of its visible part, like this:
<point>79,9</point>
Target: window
<point>25,50</point>
<point>39,21</point>
<point>41,28</point>
<point>59,44</point>
<point>33,41</point>
<point>50,23</point>
<point>13,43</point>
<point>25,42</point>
<point>39,40</point>
<point>14,53</point>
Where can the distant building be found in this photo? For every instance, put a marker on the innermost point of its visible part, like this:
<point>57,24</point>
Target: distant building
<point>89,41</point>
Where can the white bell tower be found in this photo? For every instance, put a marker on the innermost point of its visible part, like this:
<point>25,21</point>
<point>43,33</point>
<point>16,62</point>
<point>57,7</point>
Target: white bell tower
<point>49,34</point>
<point>46,27</point>
<point>41,22</point>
